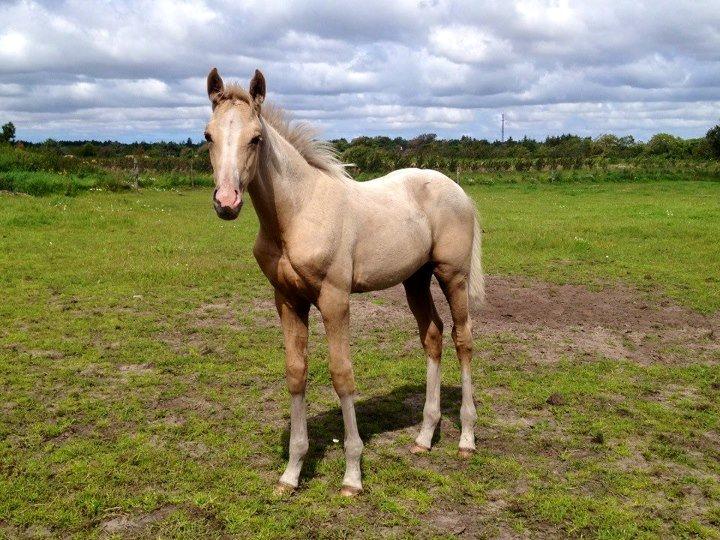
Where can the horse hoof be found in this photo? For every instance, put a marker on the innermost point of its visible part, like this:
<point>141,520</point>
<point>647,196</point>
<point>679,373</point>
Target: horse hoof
<point>282,489</point>
<point>466,453</point>
<point>350,491</point>
<point>419,449</point>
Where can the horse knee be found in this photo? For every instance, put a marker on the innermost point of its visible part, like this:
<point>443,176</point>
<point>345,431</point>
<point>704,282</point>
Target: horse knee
<point>431,413</point>
<point>432,341</point>
<point>468,413</point>
<point>462,336</point>
<point>343,379</point>
<point>353,448</point>
<point>298,448</point>
<point>296,374</point>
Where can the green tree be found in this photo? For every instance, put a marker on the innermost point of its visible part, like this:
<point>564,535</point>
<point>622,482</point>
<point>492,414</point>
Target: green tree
<point>51,146</point>
<point>87,150</point>
<point>8,133</point>
<point>664,143</point>
<point>713,139</point>
<point>606,144</point>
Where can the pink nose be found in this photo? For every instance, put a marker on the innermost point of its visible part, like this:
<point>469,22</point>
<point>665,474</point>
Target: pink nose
<point>227,203</point>
<point>227,198</point>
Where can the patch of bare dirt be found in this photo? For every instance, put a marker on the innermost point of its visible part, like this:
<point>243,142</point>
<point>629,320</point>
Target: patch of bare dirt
<point>75,430</point>
<point>207,318</point>
<point>49,354</point>
<point>480,521</point>
<point>541,321</point>
<point>135,368</point>
<point>265,313</point>
<point>182,341</point>
<point>172,420</point>
<point>552,321</point>
<point>193,449</point>
<point>133,524</point>
<point>189,403</point>
<point>450,521</point>
<point>215,314</point>
<point>379,309</point>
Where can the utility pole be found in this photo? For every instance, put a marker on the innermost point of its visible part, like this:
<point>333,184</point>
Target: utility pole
<point>502,128</point>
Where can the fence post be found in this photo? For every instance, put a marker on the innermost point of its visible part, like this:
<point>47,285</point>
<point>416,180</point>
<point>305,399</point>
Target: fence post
<point>136,174</point>
<point>192,177</point>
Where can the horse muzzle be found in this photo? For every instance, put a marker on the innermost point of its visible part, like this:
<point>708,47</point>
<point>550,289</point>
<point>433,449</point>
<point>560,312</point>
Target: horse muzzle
<point>227,203</point>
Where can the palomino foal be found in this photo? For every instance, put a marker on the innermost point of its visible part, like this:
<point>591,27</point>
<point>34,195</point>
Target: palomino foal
<point>323,236</point>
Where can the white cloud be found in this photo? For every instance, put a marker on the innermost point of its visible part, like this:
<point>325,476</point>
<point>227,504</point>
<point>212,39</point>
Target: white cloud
<point>136,68</point>
<point>13,46</point>
<point>469,44</point>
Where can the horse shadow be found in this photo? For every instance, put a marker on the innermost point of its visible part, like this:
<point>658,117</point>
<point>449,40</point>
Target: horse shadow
<point>398,409</point>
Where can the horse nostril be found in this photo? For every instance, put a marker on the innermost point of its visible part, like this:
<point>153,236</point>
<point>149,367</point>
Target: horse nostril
<point>225,199</point>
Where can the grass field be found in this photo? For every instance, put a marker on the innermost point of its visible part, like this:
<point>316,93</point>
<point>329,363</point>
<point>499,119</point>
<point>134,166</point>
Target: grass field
<point>142,378</point>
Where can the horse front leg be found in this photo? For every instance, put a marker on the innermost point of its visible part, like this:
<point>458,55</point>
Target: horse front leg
<point>334,306</point>
<point>294,319</point>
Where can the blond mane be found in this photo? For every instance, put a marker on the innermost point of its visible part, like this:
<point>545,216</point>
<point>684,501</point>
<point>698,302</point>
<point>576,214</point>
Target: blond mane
<point>301,136</point>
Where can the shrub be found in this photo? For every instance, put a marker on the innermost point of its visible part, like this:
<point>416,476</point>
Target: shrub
<point>43,183</point>
<point>713,140</point>
<point>664,144</point>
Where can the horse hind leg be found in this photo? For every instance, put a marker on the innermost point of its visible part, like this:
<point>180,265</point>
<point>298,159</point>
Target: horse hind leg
<point>417,290</point>
<point>454,284</point>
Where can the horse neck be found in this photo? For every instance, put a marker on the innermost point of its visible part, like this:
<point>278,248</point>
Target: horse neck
<point>282,184</point>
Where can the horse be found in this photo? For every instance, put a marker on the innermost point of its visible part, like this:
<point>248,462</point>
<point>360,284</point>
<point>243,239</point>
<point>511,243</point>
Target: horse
<point>323,236</point>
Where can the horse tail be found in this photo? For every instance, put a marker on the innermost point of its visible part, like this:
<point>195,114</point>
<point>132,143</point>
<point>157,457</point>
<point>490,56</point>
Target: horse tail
<point>476,280</point>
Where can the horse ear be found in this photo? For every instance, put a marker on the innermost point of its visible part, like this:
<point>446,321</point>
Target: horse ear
<point>257,88</point>
<point>215,86</point>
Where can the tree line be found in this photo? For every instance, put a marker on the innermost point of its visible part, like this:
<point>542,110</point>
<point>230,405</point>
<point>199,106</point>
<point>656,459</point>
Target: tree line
<point>381,153</point>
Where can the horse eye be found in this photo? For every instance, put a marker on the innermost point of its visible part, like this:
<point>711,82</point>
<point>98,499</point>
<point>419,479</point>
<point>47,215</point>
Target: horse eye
<point>255,140</point>
<point>208,137</point>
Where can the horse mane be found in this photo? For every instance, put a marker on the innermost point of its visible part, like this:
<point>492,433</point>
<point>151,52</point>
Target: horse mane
<point>301,136</point>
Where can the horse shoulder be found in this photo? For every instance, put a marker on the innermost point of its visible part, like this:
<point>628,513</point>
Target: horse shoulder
<point>268,255</point>
<point>311,247</point>
<point>316,235</point>
<point>275,263</point>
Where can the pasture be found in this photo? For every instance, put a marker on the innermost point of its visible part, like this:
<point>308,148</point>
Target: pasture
<point>143,395</point>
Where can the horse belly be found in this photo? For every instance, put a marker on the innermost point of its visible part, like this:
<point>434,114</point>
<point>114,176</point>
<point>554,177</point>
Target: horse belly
<point>388,257</point>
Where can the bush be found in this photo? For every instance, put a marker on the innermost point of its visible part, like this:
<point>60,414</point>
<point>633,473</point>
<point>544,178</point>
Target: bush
<point>665,144</point>
<point>43,183</point>
<point>713,140</point>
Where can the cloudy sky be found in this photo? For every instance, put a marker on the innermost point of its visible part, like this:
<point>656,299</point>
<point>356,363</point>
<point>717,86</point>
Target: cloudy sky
<point>133,70</point>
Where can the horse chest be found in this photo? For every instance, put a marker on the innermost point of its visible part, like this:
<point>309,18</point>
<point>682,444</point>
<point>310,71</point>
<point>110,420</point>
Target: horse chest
<point>292,277</point>
<point>295,276</point>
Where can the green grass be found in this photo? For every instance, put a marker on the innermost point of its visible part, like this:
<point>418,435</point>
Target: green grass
<point>141,375</point>
<point>43,183</point>
<point>653,235</point>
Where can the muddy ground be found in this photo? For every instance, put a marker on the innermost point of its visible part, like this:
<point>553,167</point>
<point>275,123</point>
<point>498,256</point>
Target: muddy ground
<point>552,320</point>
